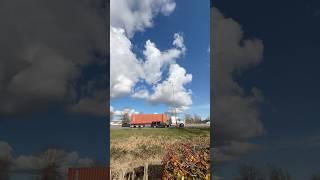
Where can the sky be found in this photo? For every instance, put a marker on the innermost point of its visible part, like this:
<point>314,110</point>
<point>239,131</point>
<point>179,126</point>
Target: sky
<point>53,76</point>
<point>54,73</point>
<point>160,60</point>
<point>282,128</point>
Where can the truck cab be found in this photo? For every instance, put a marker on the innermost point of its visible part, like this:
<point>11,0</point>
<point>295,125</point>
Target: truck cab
<point>176,121</point>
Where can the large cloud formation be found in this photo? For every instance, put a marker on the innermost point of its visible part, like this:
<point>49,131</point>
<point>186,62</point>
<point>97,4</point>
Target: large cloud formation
<point>125,69</point>
<point>143,77</point>
<point>136,15</point>
<point>235,112</point>
<point>44,46</point>
<point>172,90</point>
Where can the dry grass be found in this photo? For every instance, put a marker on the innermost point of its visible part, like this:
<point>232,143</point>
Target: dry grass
<point>136,147</point>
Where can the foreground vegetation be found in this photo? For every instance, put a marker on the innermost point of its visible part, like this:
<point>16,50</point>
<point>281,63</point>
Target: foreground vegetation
<point>187,161</point>
<point>132,148</point>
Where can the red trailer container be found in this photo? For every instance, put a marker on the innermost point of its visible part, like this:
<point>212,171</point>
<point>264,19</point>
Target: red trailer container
<point>94,173</point>
<point>154,120</point>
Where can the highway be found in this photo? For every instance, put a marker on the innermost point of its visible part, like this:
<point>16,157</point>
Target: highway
<point>186,126</point>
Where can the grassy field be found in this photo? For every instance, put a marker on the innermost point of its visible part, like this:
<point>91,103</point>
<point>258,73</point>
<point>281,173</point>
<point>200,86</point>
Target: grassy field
<point>132,147</point>
<point>164,132</point>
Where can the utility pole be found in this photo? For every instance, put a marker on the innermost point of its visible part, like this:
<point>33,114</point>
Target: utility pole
<point>174,106</point>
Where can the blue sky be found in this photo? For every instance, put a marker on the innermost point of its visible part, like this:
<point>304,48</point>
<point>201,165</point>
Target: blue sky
<point>54,75</point>
<point>195,61</point>
<point>288,78</point>
<point>53,82</point>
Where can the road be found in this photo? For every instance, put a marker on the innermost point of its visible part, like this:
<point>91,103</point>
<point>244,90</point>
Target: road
<point>197,125</point>
<point>187,126</point>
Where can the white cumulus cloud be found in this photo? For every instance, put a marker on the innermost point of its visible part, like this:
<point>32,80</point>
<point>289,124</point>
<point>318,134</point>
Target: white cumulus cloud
<point>236,113</point>
<point>136,15</point>
<point>172,91</point>
<point>144,77</point>
<point>155,59</point>
<point>142,94</point>
<point>125,68</point>
<point>61,158</point>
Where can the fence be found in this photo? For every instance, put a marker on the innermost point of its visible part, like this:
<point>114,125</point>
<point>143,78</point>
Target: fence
<point>146,172</point>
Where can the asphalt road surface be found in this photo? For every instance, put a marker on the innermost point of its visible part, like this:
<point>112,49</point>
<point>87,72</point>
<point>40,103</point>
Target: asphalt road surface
<point>186,126</point>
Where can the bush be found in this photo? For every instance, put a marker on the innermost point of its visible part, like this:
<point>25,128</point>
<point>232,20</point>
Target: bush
<point>186,161</point>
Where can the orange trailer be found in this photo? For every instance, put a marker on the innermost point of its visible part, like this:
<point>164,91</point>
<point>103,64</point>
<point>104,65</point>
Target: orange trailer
<point>153,120</point>
<point>93,173</point>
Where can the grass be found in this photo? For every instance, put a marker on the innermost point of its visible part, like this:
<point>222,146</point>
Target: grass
<point>159,132</point>
<point>132,147</point>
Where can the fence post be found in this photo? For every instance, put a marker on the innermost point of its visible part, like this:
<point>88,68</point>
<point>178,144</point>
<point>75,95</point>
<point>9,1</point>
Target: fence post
<point>121,175</point>
<point>146,171</point>
<point>133,174</point>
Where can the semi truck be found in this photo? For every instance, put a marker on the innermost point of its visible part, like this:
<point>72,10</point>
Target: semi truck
<point>155,120</point>
<point>176,121</point>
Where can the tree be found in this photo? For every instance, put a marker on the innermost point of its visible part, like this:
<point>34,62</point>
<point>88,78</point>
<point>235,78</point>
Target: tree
<point>207,119</point>
<point>50,164</point>
<point>51,172</point>
<point>188,118</point>
<point>197,119</point>
<point>5,165</point>
<point>279,174</point>
<point>125,115</point>
<point>248,172</point>
<point>111,115</point>
<point>125,118</point>
<point>315,177</point>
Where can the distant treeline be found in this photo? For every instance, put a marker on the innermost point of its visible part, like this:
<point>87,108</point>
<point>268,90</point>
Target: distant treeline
<point>195,119</point>
<point>250,172</point>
